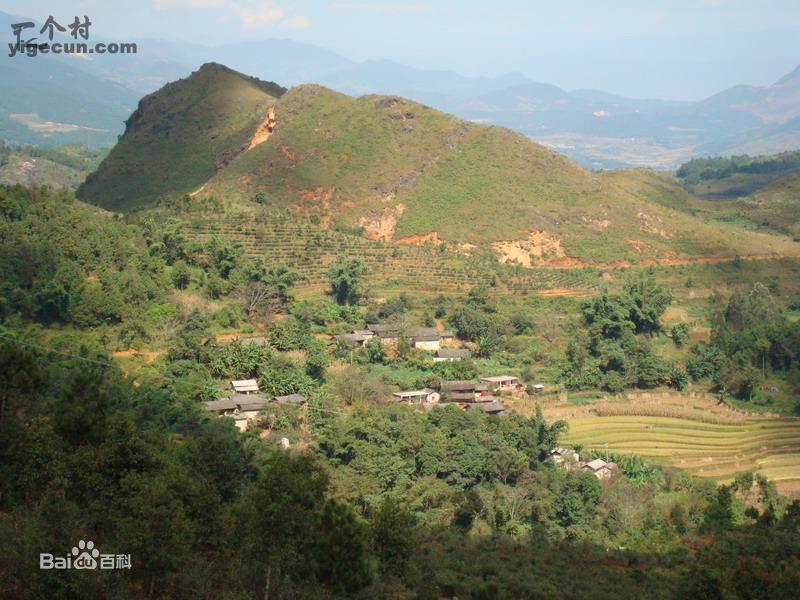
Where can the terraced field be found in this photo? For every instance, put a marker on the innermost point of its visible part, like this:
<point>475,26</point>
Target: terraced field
<point>767,446</point>
<point>425,269</point>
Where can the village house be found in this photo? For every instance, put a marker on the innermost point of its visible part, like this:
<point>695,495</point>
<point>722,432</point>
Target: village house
<point>565,457</point>
<point>423,396</point>
<point>493,407</point>
<point>503,382</point>
<point>244,386</point>
<point>430,342</point>
<point>243,408</point>
<point>451,354</point>
<point>463,391</point>
<point>601,469</point>
<point>422,338</point>
<point>224,407</point>
<point>249,404</point>
<point>387,334</point>
<point>538,388</point>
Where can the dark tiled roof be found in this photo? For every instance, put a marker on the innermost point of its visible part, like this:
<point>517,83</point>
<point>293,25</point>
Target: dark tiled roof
<point>457,386</point>
<point>221,405</point>
<point>250,402</point>
<point>425,338</point>
<point>492,408</point>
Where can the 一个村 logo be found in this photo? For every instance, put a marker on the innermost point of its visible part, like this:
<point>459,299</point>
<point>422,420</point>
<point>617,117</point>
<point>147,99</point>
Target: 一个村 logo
<point>84,556</point>
<point>77,29</point>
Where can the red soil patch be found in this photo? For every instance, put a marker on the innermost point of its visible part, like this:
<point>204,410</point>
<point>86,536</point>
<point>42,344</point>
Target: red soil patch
<point>419,240</point>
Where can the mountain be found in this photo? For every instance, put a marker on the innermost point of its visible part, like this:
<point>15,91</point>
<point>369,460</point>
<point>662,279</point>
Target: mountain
<point>777,103</point>
<point>181,135</point>
<point>399,170</point>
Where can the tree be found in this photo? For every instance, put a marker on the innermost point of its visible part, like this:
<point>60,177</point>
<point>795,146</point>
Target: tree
<point>316,359</point>
<point>181,275</point>
<point>223,255</point>
<point>51,300</point>
<point>679,333</point>
<point>720,513</point>
<point>259,298</point>
<point>678,378</point>
<point>346,278</point>
<point>648,301</point>
<point>374,351</point>
<point>487,344</point>
<point>192,340</point>
<point>165,239</point>
<point>650,370</point>
<point>607,316</point>
<point>339,553</point>
<point>280,376</point>
<point>281,277</point>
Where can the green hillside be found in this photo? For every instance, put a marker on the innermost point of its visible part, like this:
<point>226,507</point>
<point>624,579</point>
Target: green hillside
<point>59,166</point>
<point>399,171</point>
<point>777,205</point>
<point>179,136</point>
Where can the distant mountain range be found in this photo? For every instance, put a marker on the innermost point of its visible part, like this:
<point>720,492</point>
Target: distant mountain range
<point>67,99</point>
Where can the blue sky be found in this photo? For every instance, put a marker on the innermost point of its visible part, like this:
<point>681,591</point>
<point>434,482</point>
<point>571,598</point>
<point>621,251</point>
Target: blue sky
<point>679,49</point>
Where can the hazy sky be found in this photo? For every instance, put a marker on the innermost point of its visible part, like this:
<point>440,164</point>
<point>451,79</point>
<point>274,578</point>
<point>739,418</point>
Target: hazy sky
<point>679,49</point>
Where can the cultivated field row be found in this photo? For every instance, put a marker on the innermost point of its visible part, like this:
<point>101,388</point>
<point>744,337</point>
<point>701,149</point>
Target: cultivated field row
<point>311,250</point>
<point>770,447</point>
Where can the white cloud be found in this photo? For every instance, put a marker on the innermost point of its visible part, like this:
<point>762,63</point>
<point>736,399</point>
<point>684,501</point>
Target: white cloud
<point>265,13</point>
<point>296,22</point>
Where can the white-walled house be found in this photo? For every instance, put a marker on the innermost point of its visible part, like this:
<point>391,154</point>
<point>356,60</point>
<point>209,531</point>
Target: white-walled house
<point>503,382</point>
<point>423,396</point>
